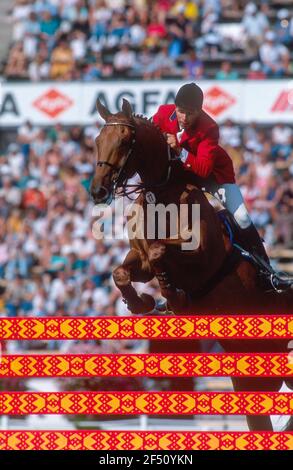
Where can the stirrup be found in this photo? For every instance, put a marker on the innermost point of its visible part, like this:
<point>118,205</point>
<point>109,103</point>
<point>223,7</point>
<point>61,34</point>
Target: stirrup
<point>266,271</point>
<point>280,285</point>
<point>256,259</point>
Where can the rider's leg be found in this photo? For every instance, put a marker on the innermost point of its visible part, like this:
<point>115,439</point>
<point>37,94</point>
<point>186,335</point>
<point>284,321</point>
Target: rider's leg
<point>249,233</point>
<point>231,198</point>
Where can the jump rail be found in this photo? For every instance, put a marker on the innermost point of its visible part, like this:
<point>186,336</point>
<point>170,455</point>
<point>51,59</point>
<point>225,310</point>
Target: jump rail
<point>147,365</point>
<point>152,327</point>
<point>146,440</point>
<point>148,403</point>
<point>150,365</point>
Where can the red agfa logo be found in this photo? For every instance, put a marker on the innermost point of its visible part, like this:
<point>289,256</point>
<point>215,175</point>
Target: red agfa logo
<point>52,103</point>
<point>284,102</point>
<point>217,100</point>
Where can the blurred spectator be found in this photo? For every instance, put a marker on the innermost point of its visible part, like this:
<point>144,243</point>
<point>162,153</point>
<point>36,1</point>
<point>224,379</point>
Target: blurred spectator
<point>284,27</point>
<point>16,160</point>
<point>16,67</point>
<point>78,45</point>
<point>124,61</point>
<point>48,24</point>
<point>255,71</point>
<point>143,61</point>
<point>25,136</point>
<point>282,136</point>
<point>161,65</point>
<point>193,67</point>
<point>230,134</point>
<point>62,61</point>
<point>39,68</point>
<point>34,198</point>
<point>136,30</point>
<point>274,57</point>
<point>255,23</point>
<point>179,31</point>
<point>284,217</point>
<point>156,31</point>
<point>226,72</point>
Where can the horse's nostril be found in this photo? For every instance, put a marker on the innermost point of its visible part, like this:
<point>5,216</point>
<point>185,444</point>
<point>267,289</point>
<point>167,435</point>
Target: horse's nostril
<point>100,194</point>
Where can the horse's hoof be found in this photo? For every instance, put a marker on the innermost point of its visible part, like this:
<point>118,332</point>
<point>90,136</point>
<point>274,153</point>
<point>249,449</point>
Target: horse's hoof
<point>148,301</point>
<point>156,251</point>
<point>121,277</point>
<point>144,304</point>
<point>178,302</point>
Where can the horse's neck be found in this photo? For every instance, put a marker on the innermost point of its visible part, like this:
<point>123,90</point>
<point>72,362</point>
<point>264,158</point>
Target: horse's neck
<point>153,154</point>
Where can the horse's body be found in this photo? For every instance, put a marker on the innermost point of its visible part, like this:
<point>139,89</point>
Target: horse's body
<point>184,276</point>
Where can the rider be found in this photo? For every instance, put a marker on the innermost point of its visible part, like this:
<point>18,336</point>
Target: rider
<point>194,137</point>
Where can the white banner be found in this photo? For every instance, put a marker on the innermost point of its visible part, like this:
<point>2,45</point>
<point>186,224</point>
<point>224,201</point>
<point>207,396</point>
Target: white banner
<point>74,103</point>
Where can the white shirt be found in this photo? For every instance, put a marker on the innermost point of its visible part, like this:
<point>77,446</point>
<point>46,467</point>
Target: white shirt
<point>281,135</point>
<point>255,25</point>
<point>273,54</point>
<point>124,60</point>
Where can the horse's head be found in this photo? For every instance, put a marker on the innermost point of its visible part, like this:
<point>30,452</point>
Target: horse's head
<point>114,147</point>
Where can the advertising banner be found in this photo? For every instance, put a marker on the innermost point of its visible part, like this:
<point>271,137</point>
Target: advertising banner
<point>48,103</point>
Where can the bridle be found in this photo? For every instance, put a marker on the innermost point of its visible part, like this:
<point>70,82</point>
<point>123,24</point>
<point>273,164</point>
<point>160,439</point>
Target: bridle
<point>118,172</point>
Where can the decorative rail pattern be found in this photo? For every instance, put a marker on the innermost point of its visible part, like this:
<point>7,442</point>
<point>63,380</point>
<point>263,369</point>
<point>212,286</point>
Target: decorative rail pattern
<point>146,440</point>
<point>161,327</point>
<point>147,365</point>
<point>134,403</point>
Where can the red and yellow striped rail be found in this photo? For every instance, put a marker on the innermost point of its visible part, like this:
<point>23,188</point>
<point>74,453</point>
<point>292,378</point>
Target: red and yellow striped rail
<point>147,365</point>
<point>148,403</point>
<point>146,440</point>
<point>160,327</point>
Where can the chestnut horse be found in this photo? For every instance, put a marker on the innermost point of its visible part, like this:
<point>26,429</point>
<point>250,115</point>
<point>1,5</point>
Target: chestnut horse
<point>210,279</point>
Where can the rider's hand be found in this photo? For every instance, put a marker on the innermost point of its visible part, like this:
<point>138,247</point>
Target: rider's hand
<point>171,140</point>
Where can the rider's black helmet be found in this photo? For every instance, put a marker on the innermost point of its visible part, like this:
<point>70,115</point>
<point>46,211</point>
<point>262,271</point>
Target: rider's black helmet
<point>189,96</point>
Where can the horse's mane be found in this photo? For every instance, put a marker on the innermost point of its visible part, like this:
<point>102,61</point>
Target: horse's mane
<point>140,118</point>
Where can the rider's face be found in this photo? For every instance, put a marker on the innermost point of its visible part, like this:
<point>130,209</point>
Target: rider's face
<point>186,117</point>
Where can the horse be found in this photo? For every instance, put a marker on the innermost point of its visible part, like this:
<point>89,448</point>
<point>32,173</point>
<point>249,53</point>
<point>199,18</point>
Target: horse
<point>211,278</point>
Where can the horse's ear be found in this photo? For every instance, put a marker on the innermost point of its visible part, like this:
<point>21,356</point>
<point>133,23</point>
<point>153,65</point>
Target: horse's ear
<point>103,111</point>
<point>126,108</point>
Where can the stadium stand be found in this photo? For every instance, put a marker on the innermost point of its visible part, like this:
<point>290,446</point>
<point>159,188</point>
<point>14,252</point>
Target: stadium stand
<point>95,39</point>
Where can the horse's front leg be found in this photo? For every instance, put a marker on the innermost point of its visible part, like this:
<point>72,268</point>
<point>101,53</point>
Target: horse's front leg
<point>131,270</point>
<point>176,298</point>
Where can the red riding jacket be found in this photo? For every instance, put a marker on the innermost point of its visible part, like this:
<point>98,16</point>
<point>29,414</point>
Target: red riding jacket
<point>204,154</point>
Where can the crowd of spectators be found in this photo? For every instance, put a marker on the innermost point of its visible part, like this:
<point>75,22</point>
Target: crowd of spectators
<point>103,39</point>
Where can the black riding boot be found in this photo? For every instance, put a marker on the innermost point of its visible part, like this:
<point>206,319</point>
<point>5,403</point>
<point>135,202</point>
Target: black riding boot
<point>253,243</point>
